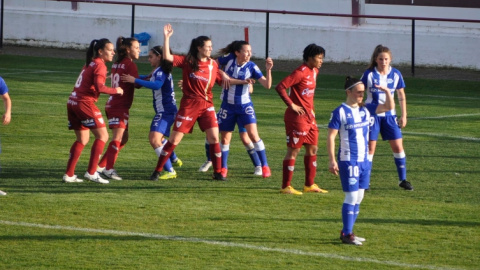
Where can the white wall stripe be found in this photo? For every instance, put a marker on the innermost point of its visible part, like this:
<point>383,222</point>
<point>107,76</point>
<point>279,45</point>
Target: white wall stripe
<point>221,243</point>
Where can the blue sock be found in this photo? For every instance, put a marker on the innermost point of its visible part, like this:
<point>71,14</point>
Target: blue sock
<point>168,166</point>
<point>225,152</point>
<point>260,148</point>
<point>401,163</point>
<point>348,218</point>
<point>356,210</point>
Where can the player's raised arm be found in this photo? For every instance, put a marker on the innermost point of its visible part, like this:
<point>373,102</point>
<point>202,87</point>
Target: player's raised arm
<point>167,33</point>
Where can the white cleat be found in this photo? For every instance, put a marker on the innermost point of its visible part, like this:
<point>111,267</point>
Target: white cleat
<point>205,166</point>
<point>258,170</point>
<point>111,174</point>
<point>71,179</point>
<point>2,193</point>
<point>96,178</point>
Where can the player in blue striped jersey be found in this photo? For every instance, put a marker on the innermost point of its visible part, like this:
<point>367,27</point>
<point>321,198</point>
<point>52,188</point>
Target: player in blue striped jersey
<point>237,107</point>
<point>381,73</point>
<point>351,121</point>
<point>161,83</point>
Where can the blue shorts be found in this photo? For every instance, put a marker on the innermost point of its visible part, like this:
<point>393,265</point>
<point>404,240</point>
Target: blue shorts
<point>387,126</point>
<point>354,175</point>
<point>230,114</point>
<point>162,122</point>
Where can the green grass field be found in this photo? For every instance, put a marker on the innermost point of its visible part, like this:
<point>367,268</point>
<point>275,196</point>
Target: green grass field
<point>244,223</point>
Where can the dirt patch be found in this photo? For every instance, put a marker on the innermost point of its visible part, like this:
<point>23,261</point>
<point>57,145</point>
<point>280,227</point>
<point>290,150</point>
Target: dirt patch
<point>343,69</point>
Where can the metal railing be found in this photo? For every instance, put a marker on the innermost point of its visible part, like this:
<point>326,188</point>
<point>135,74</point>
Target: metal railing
<point>267,18</point>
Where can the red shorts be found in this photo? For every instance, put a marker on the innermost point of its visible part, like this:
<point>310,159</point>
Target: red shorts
<point>84,115</point>
<point>300,131</point>
<point>192,110</point>
<point>117,118</point>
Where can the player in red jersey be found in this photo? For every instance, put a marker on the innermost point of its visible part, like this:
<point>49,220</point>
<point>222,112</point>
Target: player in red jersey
<point>83,114</point>
<point>199,72</point>
<point>300,125</point>
<point>118,106</point>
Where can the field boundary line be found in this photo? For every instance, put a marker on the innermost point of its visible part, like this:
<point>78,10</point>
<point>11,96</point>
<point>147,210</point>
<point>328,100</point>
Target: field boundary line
<point>219,243</point>
<point>444,116</point>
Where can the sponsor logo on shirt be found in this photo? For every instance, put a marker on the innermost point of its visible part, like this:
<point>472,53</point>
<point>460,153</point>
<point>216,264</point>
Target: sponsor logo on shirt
<point>357,125</point>
<point>193,76</point>
<point>308,92</point>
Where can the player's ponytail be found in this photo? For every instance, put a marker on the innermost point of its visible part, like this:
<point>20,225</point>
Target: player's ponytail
<point>378,50</point>
<point>192,55</point>
<point>122,47</point>
<point>233,47</point>
<point>92,51</point>
<point>167,66</point>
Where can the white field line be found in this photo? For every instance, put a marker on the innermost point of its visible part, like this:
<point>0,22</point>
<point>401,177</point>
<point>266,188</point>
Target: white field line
<point>444,116</point>
<point>220,243</point>
<point>442,136</point>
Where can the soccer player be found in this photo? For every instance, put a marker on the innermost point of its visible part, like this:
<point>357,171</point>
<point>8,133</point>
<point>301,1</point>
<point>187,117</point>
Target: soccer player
<point>118,106</point>
<point>237,107</point>
<point>351,121</point>
<point>161,83</point>
<point>83,114</point>
<point>199,72</point>
<point>7,104</point>
<point>381,73</point>
<point>300,125</point>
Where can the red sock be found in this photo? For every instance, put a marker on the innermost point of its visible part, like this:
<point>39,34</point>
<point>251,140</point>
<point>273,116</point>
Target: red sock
<point>75,152</point>
<point>112,154</point>
<point>164,156</point>
<point>288,167</point>
<point>310,169</point>
<point>97,149</point>
<point>103,161</point>
<point>216,157</point>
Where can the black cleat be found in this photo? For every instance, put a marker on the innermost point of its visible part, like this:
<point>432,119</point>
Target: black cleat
<point>154,176</point>
<point>218,176</point>
<point>405,185</point>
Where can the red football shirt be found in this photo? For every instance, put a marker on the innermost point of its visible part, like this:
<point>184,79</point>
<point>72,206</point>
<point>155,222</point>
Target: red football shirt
<point>198,84</point>
<point>126,66</point>
<point>302,83</point>
<point>91,82</point>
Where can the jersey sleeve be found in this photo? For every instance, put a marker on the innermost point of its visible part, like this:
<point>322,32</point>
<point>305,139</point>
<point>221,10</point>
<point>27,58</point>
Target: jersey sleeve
<point>256,72</point>
<point>223,60</point>
<point>372,108</point>
<point>401,82</point>
<point>364,77</point>
<point>160,78</point>
<point>292,79</point>
<point>334,122</point>
<point>99,78</point>
<point>179,61</point>
<point>3,87</point>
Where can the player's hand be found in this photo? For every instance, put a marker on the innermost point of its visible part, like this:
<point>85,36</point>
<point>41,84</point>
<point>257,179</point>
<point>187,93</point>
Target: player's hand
<point>6,118</point>
<point>268,63</point>
<point>127,78</point>
<point>168,30</point>
<point>225,80</point>
<point>250,88</point>
<point>402,122</point>
<point>333,167</point>
<point>180,84</point>
<point>119,91</point>
<point>382,88</point>
<point>250,81</point>
<point>297,109</point>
